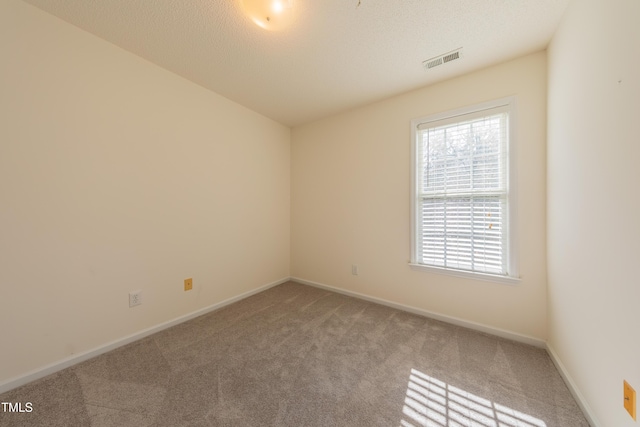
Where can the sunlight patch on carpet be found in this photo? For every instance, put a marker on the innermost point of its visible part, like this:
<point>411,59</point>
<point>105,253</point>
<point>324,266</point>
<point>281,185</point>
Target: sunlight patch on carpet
<point>433,403</point>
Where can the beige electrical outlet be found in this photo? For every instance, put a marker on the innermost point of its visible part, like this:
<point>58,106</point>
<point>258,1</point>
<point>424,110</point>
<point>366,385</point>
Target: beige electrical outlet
<point>188,284</point>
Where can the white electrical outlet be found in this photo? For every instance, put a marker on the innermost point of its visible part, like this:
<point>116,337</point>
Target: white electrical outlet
<point>354,269</point>
<point>135,298</point>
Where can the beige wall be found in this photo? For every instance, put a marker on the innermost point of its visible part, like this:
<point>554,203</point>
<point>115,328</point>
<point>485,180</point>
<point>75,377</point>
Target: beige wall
<point>116,175</point>
<point>351,201</point>
<point>593,204</point>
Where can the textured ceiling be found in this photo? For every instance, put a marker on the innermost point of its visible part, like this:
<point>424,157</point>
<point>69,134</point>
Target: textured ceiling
<point>335,55</point>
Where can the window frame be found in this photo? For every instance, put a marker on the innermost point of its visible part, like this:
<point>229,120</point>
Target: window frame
<point>509,103</point>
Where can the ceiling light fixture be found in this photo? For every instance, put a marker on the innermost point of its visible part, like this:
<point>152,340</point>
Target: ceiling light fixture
<point>272,15</point>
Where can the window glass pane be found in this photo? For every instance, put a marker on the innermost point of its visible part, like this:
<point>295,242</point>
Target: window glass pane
<point>464,233</point>
<point>461,207</point>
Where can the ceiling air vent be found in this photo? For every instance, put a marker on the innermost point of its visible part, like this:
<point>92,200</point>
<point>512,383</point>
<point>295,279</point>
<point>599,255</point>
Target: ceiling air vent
<point>442,59</point>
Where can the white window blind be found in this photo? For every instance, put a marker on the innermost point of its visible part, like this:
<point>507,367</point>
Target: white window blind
<point>461,206</point>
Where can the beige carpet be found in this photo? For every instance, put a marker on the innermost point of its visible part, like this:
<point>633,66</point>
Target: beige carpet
<point>299,356</point>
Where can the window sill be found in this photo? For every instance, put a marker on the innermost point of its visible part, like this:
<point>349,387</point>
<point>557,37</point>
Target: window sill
<point>467,274</point>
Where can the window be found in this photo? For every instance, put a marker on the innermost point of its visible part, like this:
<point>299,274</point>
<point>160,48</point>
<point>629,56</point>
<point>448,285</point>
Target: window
<point>463,202</point>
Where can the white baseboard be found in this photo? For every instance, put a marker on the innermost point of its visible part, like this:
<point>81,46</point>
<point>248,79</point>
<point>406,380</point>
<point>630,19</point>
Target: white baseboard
<point>81,357</point>
<point>575,392</point>
<point>437,316</point>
